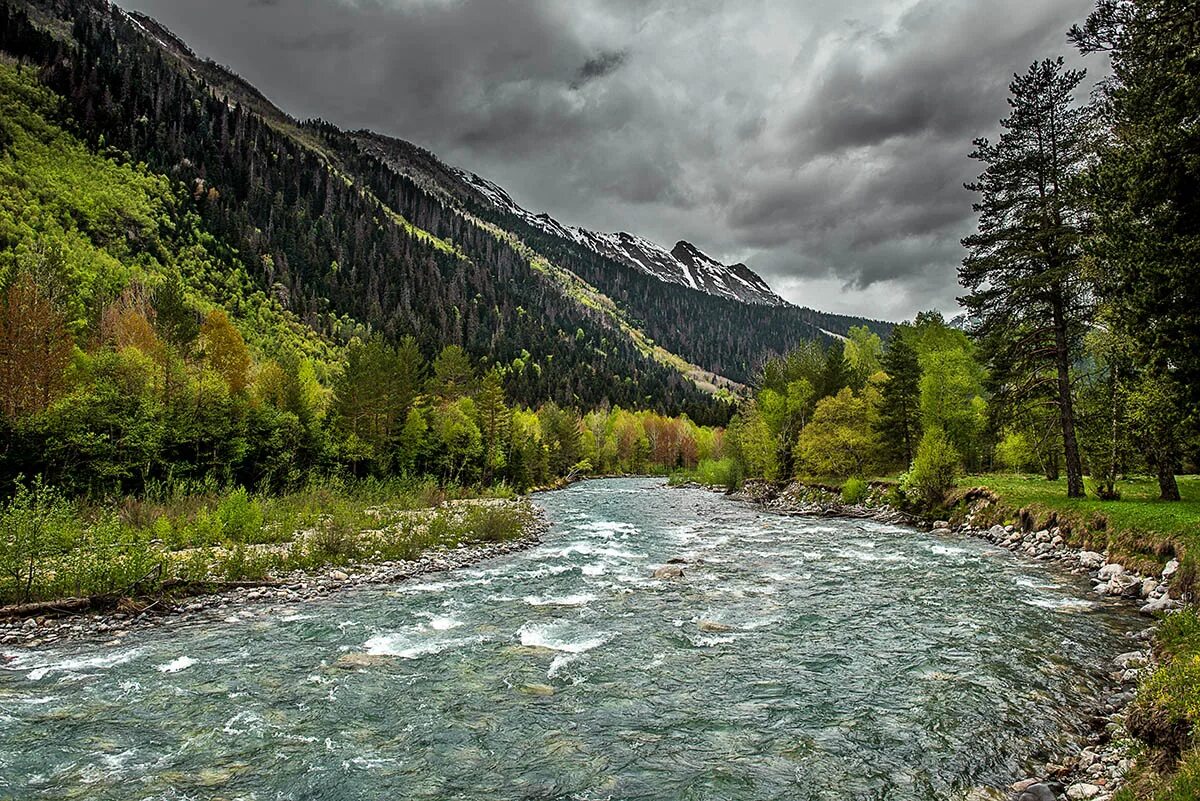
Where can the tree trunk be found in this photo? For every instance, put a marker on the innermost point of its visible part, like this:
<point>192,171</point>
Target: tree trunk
<point>1066,406</point>
<point>1168,488</point>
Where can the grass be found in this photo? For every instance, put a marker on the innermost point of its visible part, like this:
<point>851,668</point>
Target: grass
<point>52,548</point>
<point>1138,528</point>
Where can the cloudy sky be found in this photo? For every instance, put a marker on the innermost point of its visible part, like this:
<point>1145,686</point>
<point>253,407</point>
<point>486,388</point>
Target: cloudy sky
<point>823,142</point>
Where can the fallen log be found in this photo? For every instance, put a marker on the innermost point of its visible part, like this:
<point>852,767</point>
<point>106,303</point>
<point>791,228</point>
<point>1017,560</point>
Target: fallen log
<point>75,606</point>
<point>62,606</point>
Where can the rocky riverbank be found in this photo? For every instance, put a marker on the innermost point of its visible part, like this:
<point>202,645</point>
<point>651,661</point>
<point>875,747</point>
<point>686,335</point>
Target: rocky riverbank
<point>279,591</point>
<point>1096,771</point>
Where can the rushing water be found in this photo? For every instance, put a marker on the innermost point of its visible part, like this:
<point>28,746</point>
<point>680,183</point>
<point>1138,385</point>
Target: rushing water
<point>861,661</point>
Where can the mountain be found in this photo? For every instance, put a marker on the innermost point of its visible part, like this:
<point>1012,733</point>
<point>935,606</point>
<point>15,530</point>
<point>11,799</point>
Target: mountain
<point>352,233</point>
<point>684,264</point>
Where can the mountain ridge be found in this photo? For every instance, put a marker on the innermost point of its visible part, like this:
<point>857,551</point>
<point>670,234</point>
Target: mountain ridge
<point>685,264</point>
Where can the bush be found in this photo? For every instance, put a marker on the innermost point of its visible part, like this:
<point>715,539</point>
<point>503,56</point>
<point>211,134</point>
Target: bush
<point>725,473</point>
<point>37,525</point>
<point>854,491</point>
<point>934,471</point>
<point>1015,453</point>
<point>241,516</point>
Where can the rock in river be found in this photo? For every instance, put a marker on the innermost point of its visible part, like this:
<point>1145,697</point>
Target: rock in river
<point>537,689</point>
<point>669,572</point>
<point>712,625</point>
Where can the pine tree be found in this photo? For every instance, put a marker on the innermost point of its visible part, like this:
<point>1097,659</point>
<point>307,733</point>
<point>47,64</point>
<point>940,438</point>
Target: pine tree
<point>900,406</point>
<point>1026,298</point>
<point>494,424</point>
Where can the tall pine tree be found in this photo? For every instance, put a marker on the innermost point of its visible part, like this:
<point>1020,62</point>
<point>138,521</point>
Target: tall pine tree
<point>900,404</point>
<point>1027,301</point>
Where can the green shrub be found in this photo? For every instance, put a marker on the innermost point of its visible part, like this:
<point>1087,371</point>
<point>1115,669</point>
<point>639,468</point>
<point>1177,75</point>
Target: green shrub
<point>725,473</point>
<point>241,516</point>
<point>38,525</point>
<point>934,470</point>
<point>1015,453</point>
<point>854,491</point>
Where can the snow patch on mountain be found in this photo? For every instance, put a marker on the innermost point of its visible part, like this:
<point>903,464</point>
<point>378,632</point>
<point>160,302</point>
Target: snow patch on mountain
<point>684,264</point>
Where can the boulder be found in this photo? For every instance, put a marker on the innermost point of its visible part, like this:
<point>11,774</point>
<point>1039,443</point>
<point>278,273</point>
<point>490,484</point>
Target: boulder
<point>1082,790</point>
<point>1171,569</point>
<point>1163,603</point>
<point>1125,585</point>
<point>1091,559</point>
<point>668,572</point>
<point>1148,587</point>
<point>1111,571</point>
<point>338,575</point>
<point>939,525</point>
<point>1130,659</point>
<point>1039,792</point>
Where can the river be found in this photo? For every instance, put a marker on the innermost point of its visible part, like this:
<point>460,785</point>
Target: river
<point>795,659</point>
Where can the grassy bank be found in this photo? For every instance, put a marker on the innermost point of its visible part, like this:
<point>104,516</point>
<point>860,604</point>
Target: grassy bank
<point>186,540</point>
<point>1139,530</point>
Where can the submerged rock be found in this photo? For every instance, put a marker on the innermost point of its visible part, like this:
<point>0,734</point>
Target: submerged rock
<point>359,659</point>
<point>542,690</point>
<point>985,794</point>
<point>712,625</point>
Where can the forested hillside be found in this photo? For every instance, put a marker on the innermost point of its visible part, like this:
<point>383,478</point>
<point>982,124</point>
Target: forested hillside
<point>313,238</point>
<point>324,223</point>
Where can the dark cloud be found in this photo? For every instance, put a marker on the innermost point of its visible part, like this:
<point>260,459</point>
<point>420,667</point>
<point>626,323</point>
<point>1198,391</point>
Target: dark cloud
<point>604,64</point>
<point>824,143</point>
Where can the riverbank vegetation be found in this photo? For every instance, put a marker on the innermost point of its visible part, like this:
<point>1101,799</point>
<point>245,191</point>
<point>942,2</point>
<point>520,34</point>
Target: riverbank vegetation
<point>59,548</point>
<point>164,422</point>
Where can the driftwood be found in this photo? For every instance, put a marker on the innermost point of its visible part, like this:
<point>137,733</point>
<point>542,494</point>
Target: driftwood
<point>74,606</point>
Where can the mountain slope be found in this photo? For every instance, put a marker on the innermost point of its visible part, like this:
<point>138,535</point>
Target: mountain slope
<point>353,233</point>
<point>722,335</point>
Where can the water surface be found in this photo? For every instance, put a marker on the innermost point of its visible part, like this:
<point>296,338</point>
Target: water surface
<point>796,659</point>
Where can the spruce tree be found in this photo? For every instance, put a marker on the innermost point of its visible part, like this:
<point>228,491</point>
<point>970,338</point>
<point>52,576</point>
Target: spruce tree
<point>1027,301</point>
<point>900,404</point>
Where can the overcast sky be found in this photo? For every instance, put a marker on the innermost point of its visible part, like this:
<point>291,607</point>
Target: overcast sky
<point>823,142</point>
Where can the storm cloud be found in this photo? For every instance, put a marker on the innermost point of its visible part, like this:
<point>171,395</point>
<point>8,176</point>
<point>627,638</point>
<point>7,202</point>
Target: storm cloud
<point>824,143</point>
